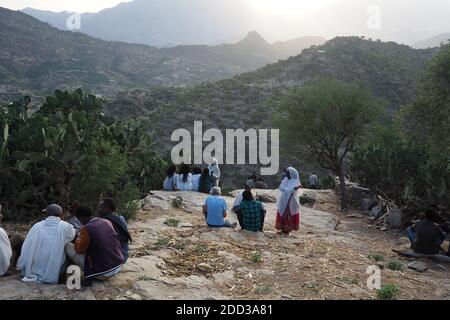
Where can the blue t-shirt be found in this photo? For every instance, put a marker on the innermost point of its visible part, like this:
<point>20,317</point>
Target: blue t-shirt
<point>216,206</point>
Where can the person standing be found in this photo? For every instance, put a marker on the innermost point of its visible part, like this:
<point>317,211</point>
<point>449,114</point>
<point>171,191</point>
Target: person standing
<point>288,204</point>
<point>214,171</point>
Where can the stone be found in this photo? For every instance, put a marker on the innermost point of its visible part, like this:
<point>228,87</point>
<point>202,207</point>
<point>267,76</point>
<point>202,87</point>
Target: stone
<point>265,198</point>
<point>394,218</point>
<point>418,266</point>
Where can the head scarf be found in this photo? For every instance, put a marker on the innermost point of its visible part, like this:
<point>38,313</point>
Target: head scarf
<point>214,168</point>
<point>288,194</point>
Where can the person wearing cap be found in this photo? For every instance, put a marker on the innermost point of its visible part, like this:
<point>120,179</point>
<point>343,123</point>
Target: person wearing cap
<point>43,255</point>
<point>215,210</point>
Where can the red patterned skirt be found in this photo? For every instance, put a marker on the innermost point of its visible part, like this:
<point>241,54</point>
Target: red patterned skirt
<point>287,222</point>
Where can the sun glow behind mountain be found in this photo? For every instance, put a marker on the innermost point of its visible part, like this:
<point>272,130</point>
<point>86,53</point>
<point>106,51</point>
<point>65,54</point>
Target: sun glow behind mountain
<point>290,7</point>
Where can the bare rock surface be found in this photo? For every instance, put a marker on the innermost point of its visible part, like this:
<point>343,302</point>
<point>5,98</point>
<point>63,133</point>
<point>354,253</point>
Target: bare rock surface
<point>175,256</point>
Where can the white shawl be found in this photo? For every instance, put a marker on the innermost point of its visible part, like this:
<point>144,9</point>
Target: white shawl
<point>5,252</point>
<point>214,169</point>
<point>288,194</point>
<point>43,252</point>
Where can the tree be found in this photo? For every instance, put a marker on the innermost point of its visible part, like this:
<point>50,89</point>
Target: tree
<point>426,122</point>
<point>325,120</point>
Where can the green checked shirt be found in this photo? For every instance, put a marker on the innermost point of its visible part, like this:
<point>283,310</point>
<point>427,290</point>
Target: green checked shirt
<point>252,214</point>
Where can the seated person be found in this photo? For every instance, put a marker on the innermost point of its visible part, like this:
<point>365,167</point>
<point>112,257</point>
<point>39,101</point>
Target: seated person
<point>426,236</point>
<point>97,251</point>
<point>73,220</point>
<point>196,175</point>
<point>239,198</point>
<point>107,210</point>
<point>252,213</point>
<point>43,257</point>
<point>215,210</point>
<point>5,252</point>
<point>206,182</point>
<point>170,183</point>
<point>260,184</point>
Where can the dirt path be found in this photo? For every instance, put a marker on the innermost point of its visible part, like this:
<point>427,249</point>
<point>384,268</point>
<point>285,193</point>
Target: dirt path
<point>175,256</point>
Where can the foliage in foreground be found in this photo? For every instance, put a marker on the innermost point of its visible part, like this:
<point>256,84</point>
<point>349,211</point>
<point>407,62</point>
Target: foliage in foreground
<point>68,150</point>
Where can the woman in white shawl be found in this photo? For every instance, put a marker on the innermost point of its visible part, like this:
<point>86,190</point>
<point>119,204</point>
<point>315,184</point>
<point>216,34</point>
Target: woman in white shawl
<point>288,205</point>
<point>214,171</point>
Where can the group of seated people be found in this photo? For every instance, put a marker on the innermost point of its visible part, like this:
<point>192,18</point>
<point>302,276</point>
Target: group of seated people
<point>427,235</point>
<point>250,213</point>
<point>256,182</point>
<point>185,179</point>
<point>98,245</point>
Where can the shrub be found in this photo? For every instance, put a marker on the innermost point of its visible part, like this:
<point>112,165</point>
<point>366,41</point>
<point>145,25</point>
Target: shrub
<point>256,256</point>
<point>172,223</point>
<point>177,202</point>
<point>388,292</point>
<point>395,266</point>
<point>378,257</point>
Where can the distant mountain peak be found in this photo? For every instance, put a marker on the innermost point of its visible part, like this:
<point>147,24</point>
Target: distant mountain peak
<point>254,37</point>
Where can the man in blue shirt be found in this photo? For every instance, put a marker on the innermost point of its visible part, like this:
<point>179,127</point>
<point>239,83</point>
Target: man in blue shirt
<point>215,210</point>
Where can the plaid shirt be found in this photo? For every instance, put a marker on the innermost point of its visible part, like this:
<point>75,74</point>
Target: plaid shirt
<point>252,214</point>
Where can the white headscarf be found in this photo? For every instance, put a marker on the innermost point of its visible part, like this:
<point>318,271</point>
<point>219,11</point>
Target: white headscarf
<point>288,194</point>
<point>214,168</point>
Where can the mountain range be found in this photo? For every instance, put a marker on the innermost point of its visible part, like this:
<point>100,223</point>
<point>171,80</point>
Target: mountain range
<point>391,71</point>
<point>37,58</point>
<point>226,86</point>
<point>165,23</point>
<point>433,42</point>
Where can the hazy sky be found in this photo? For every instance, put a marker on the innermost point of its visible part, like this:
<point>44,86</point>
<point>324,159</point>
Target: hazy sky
<point>404,21</point>
<point>279,7</point>
<point>62,5</point>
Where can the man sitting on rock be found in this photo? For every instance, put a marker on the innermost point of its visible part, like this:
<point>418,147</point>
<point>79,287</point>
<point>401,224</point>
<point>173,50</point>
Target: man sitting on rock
<point>107,210</point>
<point>215,210</point>
<point>97,250</point>
<point>252,213</point>
<point>43,257</point>
<point>426,236</point>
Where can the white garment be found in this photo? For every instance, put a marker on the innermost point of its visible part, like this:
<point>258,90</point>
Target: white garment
<point>5,252</point>
<point>184,186</point>
<point>43,253</point>
<point>214,171</point>
<point>288,193</point>
<point>238,200</point>
<point>170,183</point>
<point>196,181</point>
